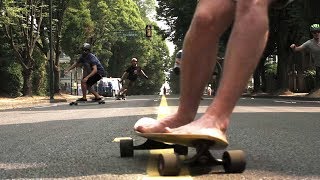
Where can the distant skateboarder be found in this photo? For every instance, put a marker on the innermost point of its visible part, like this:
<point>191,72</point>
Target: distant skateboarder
<point>129,77</point>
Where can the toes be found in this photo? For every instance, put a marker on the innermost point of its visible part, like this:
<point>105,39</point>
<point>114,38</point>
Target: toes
<point>143,122</point>
<point>167,130</point>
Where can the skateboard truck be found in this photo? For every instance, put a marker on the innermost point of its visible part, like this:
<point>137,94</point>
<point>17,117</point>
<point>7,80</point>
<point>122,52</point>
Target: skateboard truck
<point>233,161</point>
<point>127,148</point>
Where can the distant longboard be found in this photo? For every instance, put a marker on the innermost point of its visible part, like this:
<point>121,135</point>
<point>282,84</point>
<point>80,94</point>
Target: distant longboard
<point>233,161</point>
<point>88,101</point>
<point>119,97</point>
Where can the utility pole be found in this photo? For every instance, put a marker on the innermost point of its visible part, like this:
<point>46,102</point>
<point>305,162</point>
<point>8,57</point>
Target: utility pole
<point>51,54</point>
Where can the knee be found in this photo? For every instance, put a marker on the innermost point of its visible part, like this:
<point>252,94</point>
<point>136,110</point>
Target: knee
<point>253,12</point>
<point>203,19</point>
<point>253,7</point>
<point>207,22</point>
<point>213,17</point>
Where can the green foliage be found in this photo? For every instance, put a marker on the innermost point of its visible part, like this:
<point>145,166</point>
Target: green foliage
<point>39,77</point>
<point>146,7</point>
<point>311,73</point>
<point>21,21</point>
<point>271,69</point>
<point>99,23</point>
<point>78,27</point>
<point>11,78</point>
<point>177,14</point>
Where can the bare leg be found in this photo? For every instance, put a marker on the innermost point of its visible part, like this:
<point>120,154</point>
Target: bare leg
<point>211,19</point>
<point>245,47</point>
<point>84,89</point>
<point>95,93</point>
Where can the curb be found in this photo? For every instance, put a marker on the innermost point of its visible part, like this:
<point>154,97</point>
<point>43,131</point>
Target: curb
<point>303,98</point>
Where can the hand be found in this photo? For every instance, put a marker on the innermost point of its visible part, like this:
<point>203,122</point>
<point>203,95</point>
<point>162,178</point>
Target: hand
<point>293,46</point>
<point>84,80</point>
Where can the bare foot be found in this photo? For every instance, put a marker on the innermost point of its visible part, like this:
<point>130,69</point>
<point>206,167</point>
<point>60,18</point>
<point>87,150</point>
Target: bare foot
<point>206,125</point>
<point>149,125</point>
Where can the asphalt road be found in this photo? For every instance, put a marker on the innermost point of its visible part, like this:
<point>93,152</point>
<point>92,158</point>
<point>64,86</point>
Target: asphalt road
<point>280,137</point>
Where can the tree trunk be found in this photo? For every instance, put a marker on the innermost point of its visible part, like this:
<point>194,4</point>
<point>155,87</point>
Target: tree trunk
<point>257,77</point>
<point>27,83</point>
<point>283,70</point>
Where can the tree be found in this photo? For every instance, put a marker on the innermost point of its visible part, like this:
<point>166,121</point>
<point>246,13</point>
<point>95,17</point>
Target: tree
<point>178,15</point>
<point>21,21</point>
<point>146,7</point>
<point>77,28</point>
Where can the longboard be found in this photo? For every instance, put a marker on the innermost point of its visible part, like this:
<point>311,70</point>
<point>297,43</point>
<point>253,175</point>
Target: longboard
<point>189,140</point>
<point>233,161</point>
<point>88,101</point>
<point>119,97</point>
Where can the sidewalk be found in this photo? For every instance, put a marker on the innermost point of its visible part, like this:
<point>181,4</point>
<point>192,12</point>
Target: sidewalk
<point>20,102</point>
<point>293,96</point>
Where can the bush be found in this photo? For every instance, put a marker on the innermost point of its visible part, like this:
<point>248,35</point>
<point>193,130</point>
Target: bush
<point>11,79</point>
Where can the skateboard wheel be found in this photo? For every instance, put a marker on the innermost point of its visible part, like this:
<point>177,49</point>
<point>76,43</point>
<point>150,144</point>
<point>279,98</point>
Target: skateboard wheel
<point>103,102</point>
<point>71,103</point>
<point>126,148</point>
<point>76,104</point>
<point>168,165</point>
<point>181,150</point>
<point>234,161</point>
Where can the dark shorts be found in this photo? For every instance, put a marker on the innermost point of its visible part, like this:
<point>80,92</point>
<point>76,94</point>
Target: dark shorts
<point>176,70</point>
<point>93,79</point>
<point>128,83</point>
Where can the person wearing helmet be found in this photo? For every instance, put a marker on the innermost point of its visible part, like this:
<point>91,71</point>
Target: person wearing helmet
<point>245,46</point>
<point>129,77</point>
<point>176,68</point>
<point>312,46</point>
<point>93,71</point>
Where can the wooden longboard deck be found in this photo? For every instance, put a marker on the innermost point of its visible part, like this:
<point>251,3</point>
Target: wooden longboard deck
<point>189,140</point>
<point>89,101</point>
<point>85,102</point>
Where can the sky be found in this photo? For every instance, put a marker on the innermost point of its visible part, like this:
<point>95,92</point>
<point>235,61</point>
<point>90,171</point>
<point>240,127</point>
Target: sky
<point>170,45</point>
<point>162,25</point>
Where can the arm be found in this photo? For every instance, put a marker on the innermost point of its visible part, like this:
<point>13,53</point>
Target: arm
<point>144,74</point>
<point>178,61</point>
<point>124,75</point>
<point>72,66</point>
<point>93,72</point>
<point>297,48</point>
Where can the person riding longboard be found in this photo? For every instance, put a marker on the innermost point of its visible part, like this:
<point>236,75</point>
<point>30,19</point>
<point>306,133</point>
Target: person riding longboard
<point>129,77</point>
<point>93,72</point>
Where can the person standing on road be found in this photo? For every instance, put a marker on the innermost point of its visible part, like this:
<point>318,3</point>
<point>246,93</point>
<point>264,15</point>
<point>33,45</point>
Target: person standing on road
<point>246,44</point>
<point>313,46</point>
<point>177,63</point>
<point>130,76</point>
<point>93,72</point>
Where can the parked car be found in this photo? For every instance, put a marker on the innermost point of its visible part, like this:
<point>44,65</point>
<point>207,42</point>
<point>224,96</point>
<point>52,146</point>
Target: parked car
<point>108,87</point>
